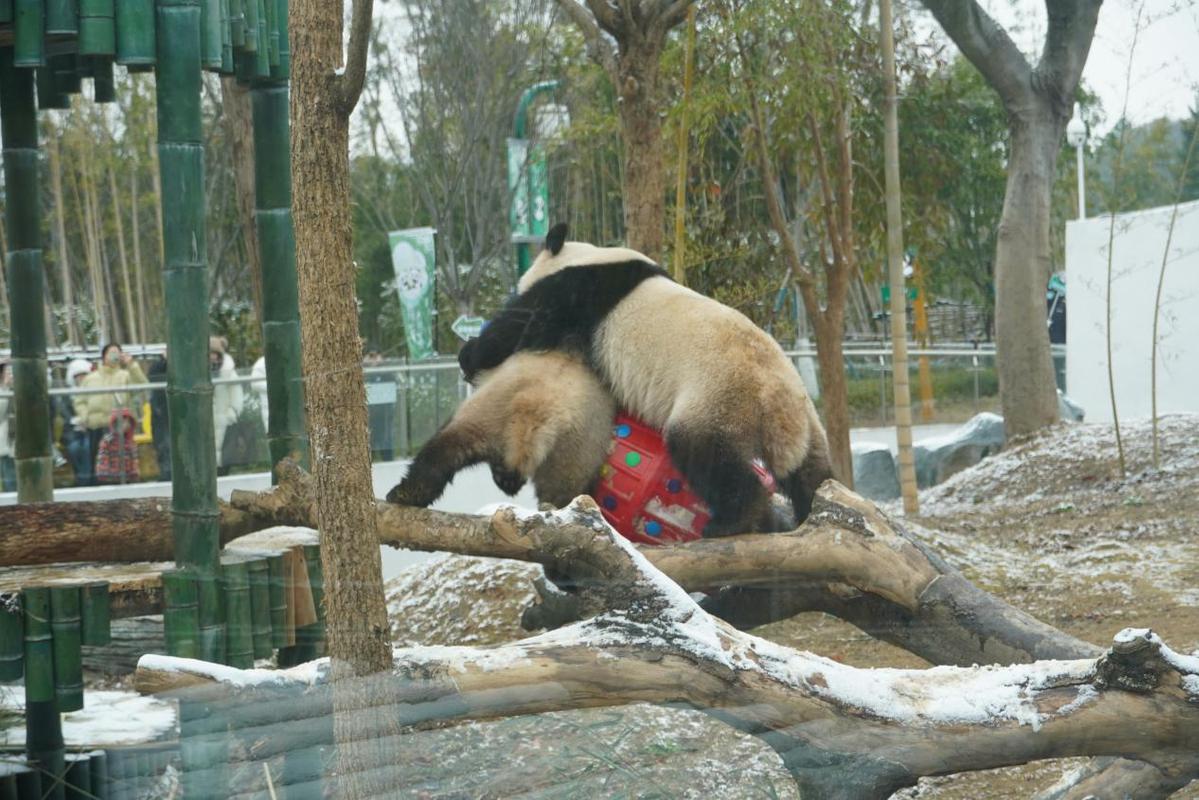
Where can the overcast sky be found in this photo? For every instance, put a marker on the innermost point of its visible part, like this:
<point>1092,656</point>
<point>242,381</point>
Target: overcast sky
<point>1165,61</point>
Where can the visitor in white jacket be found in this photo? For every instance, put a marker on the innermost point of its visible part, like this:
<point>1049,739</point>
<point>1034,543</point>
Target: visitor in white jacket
<point>226,397</point>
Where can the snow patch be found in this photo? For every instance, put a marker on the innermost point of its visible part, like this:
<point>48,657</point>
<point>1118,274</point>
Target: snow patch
<point>109,717</point>
<point>309,673</point>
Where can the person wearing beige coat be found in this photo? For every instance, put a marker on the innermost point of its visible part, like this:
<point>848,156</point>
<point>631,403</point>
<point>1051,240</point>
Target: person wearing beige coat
<point>93,411</point>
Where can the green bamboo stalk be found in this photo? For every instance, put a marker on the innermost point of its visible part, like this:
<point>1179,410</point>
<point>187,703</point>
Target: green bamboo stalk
<point>239,637</point>
<point>260,606</point>
<point>12,636</point>
<point>6,12</point>
<point>226,39</point>
<point>272,33</point>
<point>287,435</point>
<point>97,28</point>
<point>96,614</point>
<point>43,726</point>
<point>278,600</point>
<point>251,9</point>
<point>315,633</point>
<point>67,77</point>
<point>212,619</point>
<point>135,32</point>
<point>211,26</point>
<point>237,23</point>
<point>194,518</point>
<point>79,777</point>
<point>65,626</point>
<point>181,614</point>
<point>48,95</point>
<point>262,56</point>
<point>284,68</point>
<point>99,774</point>
<point>104,88</point>
<point>29,784</point>
<point>8,783</point>
<point>62,17</point>
<point>29,40</point>
<point>26,281</point>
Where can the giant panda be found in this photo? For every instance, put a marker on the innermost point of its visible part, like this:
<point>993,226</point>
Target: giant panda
<point>719,388</point>
<point>543,417</point>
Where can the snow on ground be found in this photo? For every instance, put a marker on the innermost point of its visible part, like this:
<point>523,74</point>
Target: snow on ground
<point>108,717</point>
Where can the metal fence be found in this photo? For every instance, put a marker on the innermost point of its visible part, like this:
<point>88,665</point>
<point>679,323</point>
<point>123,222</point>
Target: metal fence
<point>408,403</point>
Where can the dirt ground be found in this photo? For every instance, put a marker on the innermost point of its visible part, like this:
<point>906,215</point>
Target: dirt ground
<point>1049,525</point>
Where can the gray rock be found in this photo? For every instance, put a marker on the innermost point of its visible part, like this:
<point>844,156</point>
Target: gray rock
<point>939,458</point>
<point>874,472</point>
<point>1067,409</point>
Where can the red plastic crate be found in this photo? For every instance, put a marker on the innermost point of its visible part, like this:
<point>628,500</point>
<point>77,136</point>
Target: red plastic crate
<point>643,496</point>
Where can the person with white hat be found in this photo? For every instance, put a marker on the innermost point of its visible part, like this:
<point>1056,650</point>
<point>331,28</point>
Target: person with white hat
<point>75,439</point>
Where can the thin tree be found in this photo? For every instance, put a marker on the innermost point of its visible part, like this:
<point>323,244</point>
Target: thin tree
<point>1039,101</point>
<point>632,58</point>
<point>239,125</point>
<point>323,96</point>
<point>899,328</point>
<point>54,156</point>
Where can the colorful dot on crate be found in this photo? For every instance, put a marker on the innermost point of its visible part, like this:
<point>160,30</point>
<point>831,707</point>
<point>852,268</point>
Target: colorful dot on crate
<point>623,431</point>
<point>653,528</point>
<point>674,486</point>
<point>632,459</point>
<point>610,503</point>
<point>605,472</point>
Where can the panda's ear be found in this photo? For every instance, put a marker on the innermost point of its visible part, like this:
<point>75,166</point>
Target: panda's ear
<point>556,238</point>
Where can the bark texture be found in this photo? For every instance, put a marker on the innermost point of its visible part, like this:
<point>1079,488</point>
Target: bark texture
<point>239,123</point>
<point>1038,100</point>
<point>335,393</point>
<point>639,29</point>
<point>842,732</point>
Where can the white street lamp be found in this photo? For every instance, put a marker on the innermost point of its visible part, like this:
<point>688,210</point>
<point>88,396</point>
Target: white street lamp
<point>1076,135</point>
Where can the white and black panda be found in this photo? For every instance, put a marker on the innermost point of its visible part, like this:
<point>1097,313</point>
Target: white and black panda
<point>543,417</point>
<point>719,388</point>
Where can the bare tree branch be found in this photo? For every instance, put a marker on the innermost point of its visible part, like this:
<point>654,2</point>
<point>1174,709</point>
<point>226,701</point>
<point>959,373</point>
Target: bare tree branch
<point>601,49</point>
<point>985,44</point>
<point>349,85</point>
<point>1067,43</point>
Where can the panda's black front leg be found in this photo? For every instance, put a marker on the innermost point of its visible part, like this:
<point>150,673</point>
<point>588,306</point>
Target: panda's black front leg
<point>507,479</point>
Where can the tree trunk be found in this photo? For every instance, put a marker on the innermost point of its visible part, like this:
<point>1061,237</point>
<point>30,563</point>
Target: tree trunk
<point>127,298</point>
<point>1027,387</point>
<point>834,391</point>
<point>644,170</point>
<point>239,122</point>
<point>142,328</point>
<point>358,631</point>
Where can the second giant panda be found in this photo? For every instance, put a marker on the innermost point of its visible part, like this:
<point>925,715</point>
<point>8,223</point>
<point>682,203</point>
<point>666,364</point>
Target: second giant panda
<point>719,388</point>
<point>543,417</point>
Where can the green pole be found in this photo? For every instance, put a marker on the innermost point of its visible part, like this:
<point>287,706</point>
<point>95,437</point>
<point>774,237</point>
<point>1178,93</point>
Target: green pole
<point>519,126</point>
<point>29,33</point>
<point>96,614</point>
<point>135,32</point>
<point>181,615</point>
<point>97,28</point>
<point>287,434</point>
<point>235,585</point>
<point>43,726</point>
<point>194,516</point>
<point>12,637</point>
<point>68,655</point>
<point>26,279</point>
<point>260,607</point>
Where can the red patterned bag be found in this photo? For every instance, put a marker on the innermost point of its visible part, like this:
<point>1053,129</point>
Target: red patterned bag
<point>116,461</point>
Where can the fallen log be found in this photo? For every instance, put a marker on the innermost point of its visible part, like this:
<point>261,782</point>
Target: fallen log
<point>102,531</point>
<point>842,732</point>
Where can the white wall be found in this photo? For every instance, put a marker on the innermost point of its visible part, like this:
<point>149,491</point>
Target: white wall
<point>1139,244</point>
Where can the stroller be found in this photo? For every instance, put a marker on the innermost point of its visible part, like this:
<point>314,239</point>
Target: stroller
<point>116,461</point>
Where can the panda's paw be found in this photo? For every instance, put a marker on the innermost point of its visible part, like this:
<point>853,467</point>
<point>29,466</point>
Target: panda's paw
<point>508,480</point>
<point>410,493</point>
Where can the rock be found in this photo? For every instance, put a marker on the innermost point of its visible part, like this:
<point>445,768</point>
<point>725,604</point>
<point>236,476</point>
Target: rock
<point>939,458</point>
<point>874,472</point>
<point>1067,409</point>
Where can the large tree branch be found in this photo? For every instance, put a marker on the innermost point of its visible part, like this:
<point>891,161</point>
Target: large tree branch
<point>842,732</point>
<point>349,84</point>
<point>1067,43</point>
<point>600,49</point>
<point>986,45</point>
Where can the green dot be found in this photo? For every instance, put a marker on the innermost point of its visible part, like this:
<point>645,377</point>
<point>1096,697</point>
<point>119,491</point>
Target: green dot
<point>632,459</point>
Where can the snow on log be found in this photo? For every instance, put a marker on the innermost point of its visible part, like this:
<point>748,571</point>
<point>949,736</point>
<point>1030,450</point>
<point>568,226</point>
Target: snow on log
<point>843,732</point>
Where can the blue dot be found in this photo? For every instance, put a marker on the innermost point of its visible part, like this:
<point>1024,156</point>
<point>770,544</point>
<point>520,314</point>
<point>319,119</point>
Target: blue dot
<point>623,430</point>
<point>610,503</point>
<point>653,528</point>
<point>674,486</point>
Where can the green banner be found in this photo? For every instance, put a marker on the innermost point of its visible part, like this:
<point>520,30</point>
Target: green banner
<point>529,185</point>
<point>414,261</point>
